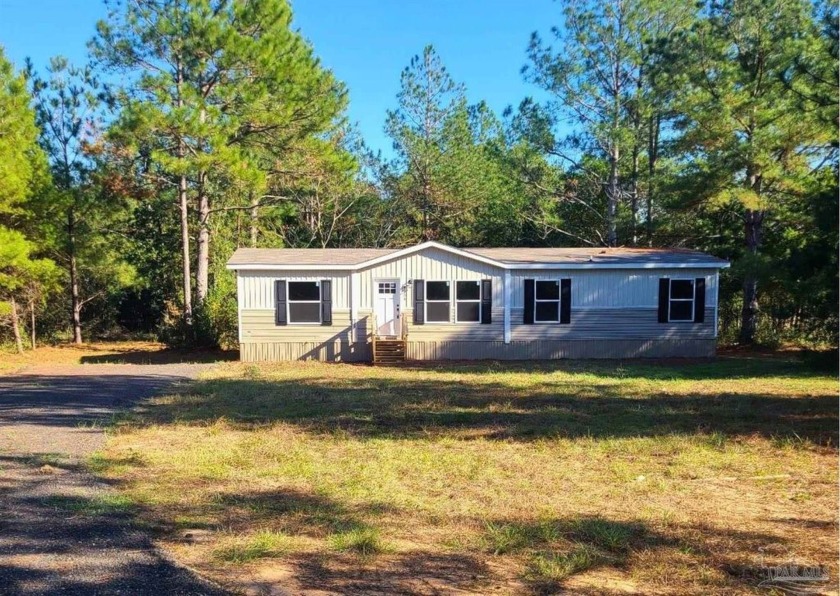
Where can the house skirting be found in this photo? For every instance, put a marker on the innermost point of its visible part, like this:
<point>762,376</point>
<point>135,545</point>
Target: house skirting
<point>340,351</point>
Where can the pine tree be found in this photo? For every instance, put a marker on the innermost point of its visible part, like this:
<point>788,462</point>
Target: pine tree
<point>446,174</point>
<point>23,172</point>
<point>212,85</point>
<point>752,139</point>
<point>76,214</point>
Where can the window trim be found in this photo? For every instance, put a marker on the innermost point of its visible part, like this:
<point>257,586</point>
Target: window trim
<point>478,300</point>
<point>692,300</point>
<point>426,301</point>
<point>558,301</point>
<point>289,302</point>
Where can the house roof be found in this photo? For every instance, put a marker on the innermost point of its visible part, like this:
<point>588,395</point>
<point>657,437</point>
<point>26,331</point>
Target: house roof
<point>505,258</point>
<point>594,255</point>
<point>306,256</point>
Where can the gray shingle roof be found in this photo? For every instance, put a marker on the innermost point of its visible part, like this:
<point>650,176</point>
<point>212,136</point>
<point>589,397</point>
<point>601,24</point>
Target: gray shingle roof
<point>306,256</point>
<point>594,255</point>
<point>349,257</point>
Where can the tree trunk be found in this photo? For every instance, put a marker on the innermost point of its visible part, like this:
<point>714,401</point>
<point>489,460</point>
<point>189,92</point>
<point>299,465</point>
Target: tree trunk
<point>32,322</point>
<point>753,224</point>
<point>653,155</point>
<point>75,300</point>
<point>16,326</point>
<point>634,191</point>
<point>183,208</point>
<point>202,272</point>
<point>427,233</point>
<point>255,215</point>
<point>203,248</point>
<point>612,199</point>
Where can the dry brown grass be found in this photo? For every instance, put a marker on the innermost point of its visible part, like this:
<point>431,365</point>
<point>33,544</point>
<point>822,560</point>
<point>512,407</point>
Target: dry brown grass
<point>503,478</point>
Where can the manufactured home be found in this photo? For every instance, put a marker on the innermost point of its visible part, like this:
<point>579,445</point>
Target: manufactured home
<point>436,302</point>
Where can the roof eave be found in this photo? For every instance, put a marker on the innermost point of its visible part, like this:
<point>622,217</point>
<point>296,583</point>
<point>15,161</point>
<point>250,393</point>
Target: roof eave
<point>297,267</point>
<point>638,265</point>
<point>534,266</point>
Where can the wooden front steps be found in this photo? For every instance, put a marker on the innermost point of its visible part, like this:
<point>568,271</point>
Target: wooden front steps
<point>388,351</point>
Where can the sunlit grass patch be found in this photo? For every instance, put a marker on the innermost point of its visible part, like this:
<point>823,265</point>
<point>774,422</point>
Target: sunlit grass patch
<point>364,541</point>
<point>606,534</point>
<point>504,538</point>
<point>261,545</point>
<point>550,568</point>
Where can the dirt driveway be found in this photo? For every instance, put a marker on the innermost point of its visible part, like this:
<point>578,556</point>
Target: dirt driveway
<point>62,531</point>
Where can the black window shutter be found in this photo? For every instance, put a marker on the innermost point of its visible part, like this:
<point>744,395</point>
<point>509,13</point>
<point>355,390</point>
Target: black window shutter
<point>280,302</point>
<point>326,302</point>
<point>664,293</point>
<point>528,318</point>
<point>565,301</point>
<point>419,301</point>
<point>699,299</point>
<point>486,301</point>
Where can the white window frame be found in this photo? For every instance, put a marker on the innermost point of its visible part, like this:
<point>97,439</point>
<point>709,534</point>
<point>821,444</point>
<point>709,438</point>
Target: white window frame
<point>289,302</point>
<point>559,302</point>
<point>690,318</point>
<point>478,283</point>
<point>426,301</point>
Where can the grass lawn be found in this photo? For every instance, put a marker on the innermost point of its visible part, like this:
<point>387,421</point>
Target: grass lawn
<point>105,352</point>
<point>490,478</point>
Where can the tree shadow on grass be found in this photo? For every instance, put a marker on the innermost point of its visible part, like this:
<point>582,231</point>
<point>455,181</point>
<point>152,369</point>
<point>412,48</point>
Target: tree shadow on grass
<point>553,554</point>
<point>291,511</point>
<point>161,356</point>
<point>533,556</point>
<point>541,556</point>
<point>420,408</point>
<point>792,365</point>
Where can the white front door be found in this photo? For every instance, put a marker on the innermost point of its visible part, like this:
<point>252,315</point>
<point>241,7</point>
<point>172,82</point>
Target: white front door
<point>386,306</point>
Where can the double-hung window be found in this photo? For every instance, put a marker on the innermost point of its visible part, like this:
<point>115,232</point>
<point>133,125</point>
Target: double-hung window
<point>468,301</point>
<point>681,300</point>
<point>438,301</point>
<point>304,301</point>
<point>547,301</point>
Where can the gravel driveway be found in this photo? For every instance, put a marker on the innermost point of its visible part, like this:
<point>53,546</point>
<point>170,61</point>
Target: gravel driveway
<point>61,530</point>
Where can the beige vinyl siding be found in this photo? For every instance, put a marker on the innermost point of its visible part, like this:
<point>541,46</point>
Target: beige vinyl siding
<point>610,324</point>
<point>256,288</point>
<point>258,325</point>
<point>443,331</point>
<point>549,350</point>
<point>611,288</point>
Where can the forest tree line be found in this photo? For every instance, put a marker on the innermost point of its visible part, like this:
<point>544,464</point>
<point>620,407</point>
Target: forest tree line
<point>198,126</point>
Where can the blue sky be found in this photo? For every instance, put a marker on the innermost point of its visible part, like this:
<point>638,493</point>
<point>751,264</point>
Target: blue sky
<point>366,43</point>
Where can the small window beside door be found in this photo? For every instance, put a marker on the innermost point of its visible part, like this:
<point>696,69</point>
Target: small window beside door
<point>438,301</point>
